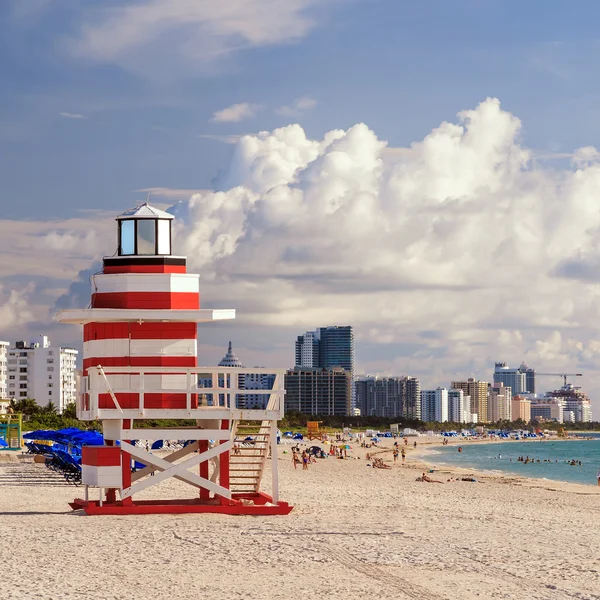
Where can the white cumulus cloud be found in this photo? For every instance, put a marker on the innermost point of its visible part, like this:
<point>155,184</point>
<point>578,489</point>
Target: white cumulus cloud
<point>458,249</point>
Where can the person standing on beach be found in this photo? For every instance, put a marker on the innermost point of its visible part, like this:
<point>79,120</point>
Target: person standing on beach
<point>395,455</point>
<point>295,460</point>
<point>403,455</point>
<point>598,476</point>
<point>415,444</point>
<point>304,461</point>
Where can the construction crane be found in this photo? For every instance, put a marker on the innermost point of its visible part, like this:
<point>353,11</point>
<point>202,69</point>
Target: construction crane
<point>563,375</point>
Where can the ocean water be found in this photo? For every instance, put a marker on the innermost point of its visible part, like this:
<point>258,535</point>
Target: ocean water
<point>503,457</point>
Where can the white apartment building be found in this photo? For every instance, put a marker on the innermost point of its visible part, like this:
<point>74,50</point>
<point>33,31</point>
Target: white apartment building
<point>4,370</point>
<point>459,407</point>
<point>499,403</point>
<point>434,405</point>
<point>37,370</point>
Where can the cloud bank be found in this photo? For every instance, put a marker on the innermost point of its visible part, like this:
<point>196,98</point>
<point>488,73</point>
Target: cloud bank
<point>457,249</point>
<point>445,255</point>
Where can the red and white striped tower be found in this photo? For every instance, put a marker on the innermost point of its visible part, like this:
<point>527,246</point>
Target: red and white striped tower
<point>140,362</point>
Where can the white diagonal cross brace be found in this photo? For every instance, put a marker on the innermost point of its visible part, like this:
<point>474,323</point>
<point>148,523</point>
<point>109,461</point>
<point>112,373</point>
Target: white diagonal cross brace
<point>170,458</point>
<point>179,470</point>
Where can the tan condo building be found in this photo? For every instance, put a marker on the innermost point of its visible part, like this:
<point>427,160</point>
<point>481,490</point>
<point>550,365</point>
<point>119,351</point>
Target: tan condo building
<point>478,390</point>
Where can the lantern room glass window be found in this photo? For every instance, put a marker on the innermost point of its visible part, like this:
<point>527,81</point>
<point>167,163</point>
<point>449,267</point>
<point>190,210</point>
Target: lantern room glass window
<point>127,241</point>
<point>163,242</point>
<point>146,236</point>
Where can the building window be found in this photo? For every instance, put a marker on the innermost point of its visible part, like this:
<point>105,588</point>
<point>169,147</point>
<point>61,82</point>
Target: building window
<point>23,386</point>
<point>50,361</point>
<point>23,370</point>
<point>11,376</point>
<point>23,377</point>
<point>23,394</point>
<point>50,368</point>
<point>49,392</point>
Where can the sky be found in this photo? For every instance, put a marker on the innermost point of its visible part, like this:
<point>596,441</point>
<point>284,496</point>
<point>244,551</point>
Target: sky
<point>424,171</point>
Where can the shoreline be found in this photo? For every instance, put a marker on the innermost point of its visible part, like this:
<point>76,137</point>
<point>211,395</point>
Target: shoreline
<point>421,460</point>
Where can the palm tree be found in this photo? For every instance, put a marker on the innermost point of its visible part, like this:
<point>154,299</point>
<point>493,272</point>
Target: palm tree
<point>49,409</point>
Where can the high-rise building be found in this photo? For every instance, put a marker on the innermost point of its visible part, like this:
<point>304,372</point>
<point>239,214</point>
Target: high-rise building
<point>499,405</point>
<point>318,391</point>
<point>521,409</point>
<point>4,370</point>
<point>434,405</point>
<point>412,399</point>
<point>521,380</point>
<point>477,390</point>
<point>459,407</point>
<point>39,371</point>
<point>385,396</point>
<point>307,349</point>
<point>326,348</point>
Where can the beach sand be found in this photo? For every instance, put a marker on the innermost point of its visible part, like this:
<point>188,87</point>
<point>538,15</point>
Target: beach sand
<point>355,532</point>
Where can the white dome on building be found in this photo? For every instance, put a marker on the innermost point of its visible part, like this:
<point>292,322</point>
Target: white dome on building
<point>230,359</point>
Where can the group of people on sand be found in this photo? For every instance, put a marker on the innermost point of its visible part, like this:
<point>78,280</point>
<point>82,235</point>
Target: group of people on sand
<point>303,459</point>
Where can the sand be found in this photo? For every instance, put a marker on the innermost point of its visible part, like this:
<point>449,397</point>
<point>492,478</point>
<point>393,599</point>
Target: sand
<point>355,532</point>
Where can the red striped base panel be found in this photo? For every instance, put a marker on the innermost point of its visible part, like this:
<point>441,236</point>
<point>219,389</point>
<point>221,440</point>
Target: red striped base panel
<point>139,331</point>
<point>147,300</point>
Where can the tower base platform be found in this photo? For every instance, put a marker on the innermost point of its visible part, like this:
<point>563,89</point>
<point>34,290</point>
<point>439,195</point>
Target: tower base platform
<point>241,504</point>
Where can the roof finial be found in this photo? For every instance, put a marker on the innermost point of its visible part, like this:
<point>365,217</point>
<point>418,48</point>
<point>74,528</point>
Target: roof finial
<point>230,350</point>
<point>147,198</point>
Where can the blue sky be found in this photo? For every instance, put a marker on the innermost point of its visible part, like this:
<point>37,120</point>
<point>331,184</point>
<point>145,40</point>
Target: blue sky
<point>460,254</point>
<point>399,66</point>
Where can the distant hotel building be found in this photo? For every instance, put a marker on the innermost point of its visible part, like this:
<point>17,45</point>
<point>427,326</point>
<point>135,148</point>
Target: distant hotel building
<point>316,391</point>
<point>327,347</point>
<point>477,390</point>
<point>38,371</point>
<point>521,409</point>
<point>520,380</point>
<point>4,370</point>
<point>459,407</point>
<point>388,396</point>
<point>434,405</point>
<point>499,403</point>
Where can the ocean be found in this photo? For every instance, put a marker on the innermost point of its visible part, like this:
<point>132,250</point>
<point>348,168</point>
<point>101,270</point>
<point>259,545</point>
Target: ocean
<point>503,458</point>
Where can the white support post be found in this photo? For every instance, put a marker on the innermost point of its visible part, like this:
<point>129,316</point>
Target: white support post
<point>188,387</point>
<point>100,499</point>
<point>142,395</point>
<point>274,474</point>
<point>234,385</point>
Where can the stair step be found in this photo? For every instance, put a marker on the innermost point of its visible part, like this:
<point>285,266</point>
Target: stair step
<point>243,470</point>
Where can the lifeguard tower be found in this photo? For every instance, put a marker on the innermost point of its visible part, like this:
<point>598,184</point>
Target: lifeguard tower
<point>10,431</point>
<point>140,363</point>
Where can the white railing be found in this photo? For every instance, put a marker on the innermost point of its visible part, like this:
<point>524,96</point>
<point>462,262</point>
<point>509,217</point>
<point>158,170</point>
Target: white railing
<point>210,392</point>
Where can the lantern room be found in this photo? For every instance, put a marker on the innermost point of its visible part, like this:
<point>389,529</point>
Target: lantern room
<point>144,231</point>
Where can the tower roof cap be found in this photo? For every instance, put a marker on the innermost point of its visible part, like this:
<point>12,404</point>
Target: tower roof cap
<point>145,211</point>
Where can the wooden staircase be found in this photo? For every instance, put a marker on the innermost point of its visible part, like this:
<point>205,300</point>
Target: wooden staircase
<point>248,457</point>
